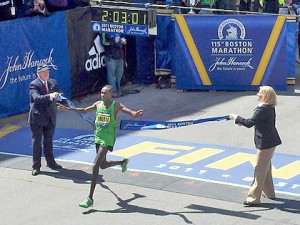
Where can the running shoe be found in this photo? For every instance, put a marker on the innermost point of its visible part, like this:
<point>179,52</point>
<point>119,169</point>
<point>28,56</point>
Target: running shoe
<point>124,165</point>
<point>86,203</point>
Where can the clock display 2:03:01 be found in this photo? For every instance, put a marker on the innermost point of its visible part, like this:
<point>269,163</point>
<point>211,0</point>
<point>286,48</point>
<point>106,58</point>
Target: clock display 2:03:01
<point>124,17</point>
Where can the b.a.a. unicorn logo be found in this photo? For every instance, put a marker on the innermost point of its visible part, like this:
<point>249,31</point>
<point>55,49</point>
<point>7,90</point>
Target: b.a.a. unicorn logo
<point>232,33</point>
<point>231,29</point>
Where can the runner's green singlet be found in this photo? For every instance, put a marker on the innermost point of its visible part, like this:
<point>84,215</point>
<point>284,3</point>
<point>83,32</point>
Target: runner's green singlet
<point>105,125</point>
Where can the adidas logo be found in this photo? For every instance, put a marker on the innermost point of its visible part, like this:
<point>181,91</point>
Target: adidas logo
<point>98,60</point>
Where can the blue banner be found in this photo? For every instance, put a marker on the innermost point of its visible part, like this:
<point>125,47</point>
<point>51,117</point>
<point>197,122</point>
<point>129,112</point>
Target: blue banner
<point>230,52</point>
<point>158,125</point>
<point>25,44</point>
<point>292,27</point>
<point>72,106</point>
<point>164,43</point>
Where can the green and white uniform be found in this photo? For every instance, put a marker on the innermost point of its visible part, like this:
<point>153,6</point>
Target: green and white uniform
<point>105,125</point>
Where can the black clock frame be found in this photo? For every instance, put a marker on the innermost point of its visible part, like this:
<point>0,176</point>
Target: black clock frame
<point>124,15</point>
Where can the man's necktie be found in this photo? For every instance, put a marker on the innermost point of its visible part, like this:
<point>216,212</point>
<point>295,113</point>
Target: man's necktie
<point>46,86</point>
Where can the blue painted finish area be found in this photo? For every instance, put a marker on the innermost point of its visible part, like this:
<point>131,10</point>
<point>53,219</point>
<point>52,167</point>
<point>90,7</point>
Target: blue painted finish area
<point>212,163</point>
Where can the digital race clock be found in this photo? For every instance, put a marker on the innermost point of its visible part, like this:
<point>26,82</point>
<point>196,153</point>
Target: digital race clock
<point>124,15</point>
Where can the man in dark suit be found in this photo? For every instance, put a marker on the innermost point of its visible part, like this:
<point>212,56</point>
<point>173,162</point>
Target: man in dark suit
<point>42,118</point>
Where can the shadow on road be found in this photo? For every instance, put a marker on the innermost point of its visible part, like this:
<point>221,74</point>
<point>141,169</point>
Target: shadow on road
<point>78,176</point>
<point>125,207</point>
<point>286,205</point>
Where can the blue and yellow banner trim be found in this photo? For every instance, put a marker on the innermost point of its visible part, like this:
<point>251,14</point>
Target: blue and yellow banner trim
<point>193,49</point>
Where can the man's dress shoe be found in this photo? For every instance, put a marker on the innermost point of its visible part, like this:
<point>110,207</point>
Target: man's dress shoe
<point>35,172</point>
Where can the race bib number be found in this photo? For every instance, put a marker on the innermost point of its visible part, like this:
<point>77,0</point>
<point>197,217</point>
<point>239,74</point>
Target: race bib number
<point>103,119</point>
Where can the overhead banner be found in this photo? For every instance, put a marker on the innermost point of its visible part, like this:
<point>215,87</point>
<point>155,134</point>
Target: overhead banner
<point>43,41</point>
<point>233,52</point>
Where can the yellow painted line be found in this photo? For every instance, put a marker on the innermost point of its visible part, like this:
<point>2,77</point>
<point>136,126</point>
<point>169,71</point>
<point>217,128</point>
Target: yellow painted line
<point>192,49</point>
<point>8,129</point>
<point>268,50</point>
<point>196,156</point>
<point>287,172</point>
<point>233,161</point>
<point>151,147</point>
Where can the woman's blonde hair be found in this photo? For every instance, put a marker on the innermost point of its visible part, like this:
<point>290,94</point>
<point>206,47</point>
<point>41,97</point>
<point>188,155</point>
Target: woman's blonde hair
<point>268,95</point>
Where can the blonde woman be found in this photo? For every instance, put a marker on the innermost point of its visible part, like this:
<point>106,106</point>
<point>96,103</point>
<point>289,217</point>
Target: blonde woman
<point>266,139</point>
